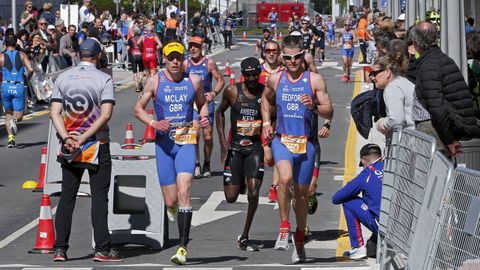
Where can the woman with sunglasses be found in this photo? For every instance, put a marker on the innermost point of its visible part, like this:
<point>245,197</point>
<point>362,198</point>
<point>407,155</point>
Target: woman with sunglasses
<point>28,18</point>
<point>387,73</point>
<point>347,42</point>
<point>174,92</point>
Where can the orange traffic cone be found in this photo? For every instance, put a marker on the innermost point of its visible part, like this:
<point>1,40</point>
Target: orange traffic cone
<point>227,69</point>
<point>129,137</point>
<point>232,78</point>
<point>46,234</point>
<point>244,37</point>
<point>280,37</point>
<point>149,135</point>
<point>43,171</point>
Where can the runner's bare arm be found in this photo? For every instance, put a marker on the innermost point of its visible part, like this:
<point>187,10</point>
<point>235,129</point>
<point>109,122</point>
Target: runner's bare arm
<point>324,107</point>
<point>140,41</point>
<point>199,97</point>
<point>267,94</point>
<point>159,43</point>
<point>213,68</point>
<point>311,62</point>
<point>220,115</point>
<point>27,63</point>
<point>143,99</point>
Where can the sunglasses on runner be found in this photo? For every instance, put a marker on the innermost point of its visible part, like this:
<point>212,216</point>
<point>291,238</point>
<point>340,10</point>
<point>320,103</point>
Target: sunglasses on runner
<point>292,57</point>
<point>268,51</point>
<point>172,57</point>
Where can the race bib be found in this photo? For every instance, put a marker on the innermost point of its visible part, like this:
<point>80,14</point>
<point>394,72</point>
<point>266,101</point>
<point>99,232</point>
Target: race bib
<point>295,144</point>
<point>185,135</point>
<point>347,46</point>
<point>249,127</point>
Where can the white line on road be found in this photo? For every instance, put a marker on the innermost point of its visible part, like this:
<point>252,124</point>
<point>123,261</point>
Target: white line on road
<point>338,178</point>
<point>49,268</point>
<point>195,268</point>
<point>338,268</point>
<point>12,237</point>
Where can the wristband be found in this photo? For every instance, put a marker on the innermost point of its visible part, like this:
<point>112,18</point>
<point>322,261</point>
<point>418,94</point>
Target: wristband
<point>327,125</point>
<point>265,124</point>
<point>151,123</point>
<point>216,93</point>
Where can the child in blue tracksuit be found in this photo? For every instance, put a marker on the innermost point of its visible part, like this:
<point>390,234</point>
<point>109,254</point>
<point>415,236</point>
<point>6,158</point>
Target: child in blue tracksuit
<point>365,209</point>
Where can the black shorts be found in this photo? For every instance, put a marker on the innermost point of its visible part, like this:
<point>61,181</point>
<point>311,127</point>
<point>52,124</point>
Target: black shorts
<point>243,162</point>
<point>136,61</point>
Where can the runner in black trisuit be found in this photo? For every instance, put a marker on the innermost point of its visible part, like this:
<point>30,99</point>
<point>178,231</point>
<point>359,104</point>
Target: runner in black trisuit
<point>243,153</point>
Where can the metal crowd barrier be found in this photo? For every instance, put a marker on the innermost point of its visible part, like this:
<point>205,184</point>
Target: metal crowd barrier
<point>471,154</point>
<point>455,241</point>
<point>440,175</point>
<point>403,194</point>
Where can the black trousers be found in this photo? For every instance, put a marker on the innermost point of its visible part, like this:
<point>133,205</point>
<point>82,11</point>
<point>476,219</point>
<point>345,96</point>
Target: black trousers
<point>99,186</point>
<point>227,36</point>
<point>363,49</point>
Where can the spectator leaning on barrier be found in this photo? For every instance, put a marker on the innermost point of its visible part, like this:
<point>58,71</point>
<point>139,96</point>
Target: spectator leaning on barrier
<point>363,210</point>
<point>398,92</point>
<point>444,109</point>
<point>78,139</point>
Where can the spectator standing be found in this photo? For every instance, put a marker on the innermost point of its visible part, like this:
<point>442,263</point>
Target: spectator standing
<point>122,34</point>
<point>227,32</point>
<point>28,19</point>
<point>47,14</point>
<point>171,27</point>
<point>79,136</point>
<point>60,25</point>
<point>473,52</point>
<point>362,37</point>
<point>96,30</point>
<point>82,34</point>
<point>42,31</point>
<point>24,40</point>
<point>84,13</point>
<point>443,107</point>
<point>171,8</point>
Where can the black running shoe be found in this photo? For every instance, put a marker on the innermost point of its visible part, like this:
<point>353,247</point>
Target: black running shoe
<point>312,204</point>
<point>60,255</point>
<point>244,244</point>
<point>11,144</point>
<point>107,256</point>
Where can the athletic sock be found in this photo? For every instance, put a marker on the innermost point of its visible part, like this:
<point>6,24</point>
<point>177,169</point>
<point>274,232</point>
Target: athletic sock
<point>285,224</point>
<point>300,235</point>
<point>184,221</point>
<point>11,137</point>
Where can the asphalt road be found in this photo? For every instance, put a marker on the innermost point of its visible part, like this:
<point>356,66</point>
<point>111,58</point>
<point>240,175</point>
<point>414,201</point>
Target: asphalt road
<point>213,244</point>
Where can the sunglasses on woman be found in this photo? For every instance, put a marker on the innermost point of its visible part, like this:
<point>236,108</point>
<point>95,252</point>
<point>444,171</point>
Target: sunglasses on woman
<point>269,51</point>
<point>374,73</point>
<point>291,57</point>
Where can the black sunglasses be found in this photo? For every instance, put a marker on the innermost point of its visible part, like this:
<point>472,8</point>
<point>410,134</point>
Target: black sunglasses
<point>374,73</point>
<point>171,57</point>
<point>293,57</point>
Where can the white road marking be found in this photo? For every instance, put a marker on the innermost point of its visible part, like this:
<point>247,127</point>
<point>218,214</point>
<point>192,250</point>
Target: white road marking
<point>338,178</point>
<point>207,212</point>
<point>12,237</point>
<point>339,268</point>
<point>316,244</point>
<point>195,268</point>
<point>69,268</point>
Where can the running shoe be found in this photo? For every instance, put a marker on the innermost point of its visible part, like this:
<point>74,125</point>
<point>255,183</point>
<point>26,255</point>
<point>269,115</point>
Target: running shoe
<point>181,257</point>
<point>171,213</point>
<point>11,141</point>
<point>312,204</point>
<point>282,239</point>
<point>13,125</point>
<point>198,171</point>
<point>298,255</point>
<point>273,194</point>
<point>348,79</point>
<point>107,256</point>
<point>344,78</point>
<point>206,171</point>
<point>356,253</point>
<point>244,244</point>
<point>307,234</point>
<point>59,255</point>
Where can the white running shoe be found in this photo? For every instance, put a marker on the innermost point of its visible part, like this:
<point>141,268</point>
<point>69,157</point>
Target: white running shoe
<point>356,253</point>
<point>282,239</point>
<point>298,255</point>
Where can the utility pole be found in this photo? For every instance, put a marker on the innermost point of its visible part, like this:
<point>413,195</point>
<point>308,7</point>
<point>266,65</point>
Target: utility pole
<point>14,16</point>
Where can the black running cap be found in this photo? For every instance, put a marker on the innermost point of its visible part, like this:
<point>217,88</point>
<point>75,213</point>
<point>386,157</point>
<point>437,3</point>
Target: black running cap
<point>368,149</point>
<point>250,66</point>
